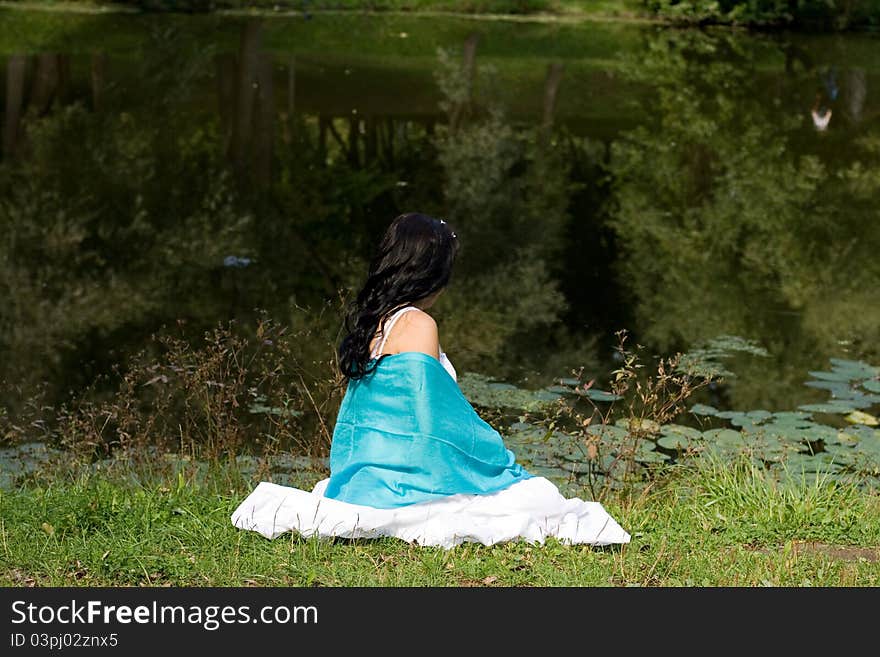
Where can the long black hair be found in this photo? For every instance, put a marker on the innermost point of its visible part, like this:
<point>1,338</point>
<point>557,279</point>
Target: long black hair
<point>413,261</point>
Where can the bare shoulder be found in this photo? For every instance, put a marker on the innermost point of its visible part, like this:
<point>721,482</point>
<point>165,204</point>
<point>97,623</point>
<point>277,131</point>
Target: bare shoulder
<point>418,318</point>
<point>416,330</point>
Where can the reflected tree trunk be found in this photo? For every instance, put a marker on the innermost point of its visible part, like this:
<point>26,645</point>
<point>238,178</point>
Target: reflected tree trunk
<point>551,89</point>
<point>331,126</point>
<point>322,136</point>
<point>246,82</point>
<point>15,75</point>
<point>63,93</point>
<point>45,84</point>
<point>254,111</point>
<point>354,124</point>
<point>226,71</point>
<point>98,79</point>
<point>264,127</point>
<point>469,63</point>
<point>290,124</point>
<point>855,91</point>
<point>388,142</point>
<point>371,140</point>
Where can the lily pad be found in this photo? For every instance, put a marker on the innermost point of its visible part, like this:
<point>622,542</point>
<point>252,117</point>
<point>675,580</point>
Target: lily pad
<point>862,432</point>
<point>747,426</point>
<point>674,441</point>
<point>608,432</point>
<point>871,449</point>
<point>680,430</point>
<point>651,457</point>
<point>773,448</point>
<point>556,475</point>
<point>830,407</point>
<point>832,386</point>
<point>790,415</point>
<point>273,410</point>
<point>704,409</point>
<point>791,420</point>
<point>798,435</point>
<point>632,424</point>
<point>842,454</point>
<point>480,390</point>
<point>578,467</point>
<point>726,437</point>
<point>857,398</point>
<point>858,417</point>
<point>859,369</point>
<point>832,376</point>
<point>847,438</point>
<point>601,395</point>
<point>797,464</point>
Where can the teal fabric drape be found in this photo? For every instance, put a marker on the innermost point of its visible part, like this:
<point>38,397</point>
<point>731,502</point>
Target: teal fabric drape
<point>407,434</point>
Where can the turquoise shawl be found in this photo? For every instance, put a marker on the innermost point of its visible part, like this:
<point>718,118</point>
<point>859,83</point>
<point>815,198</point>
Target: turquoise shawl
<point>405,433</point>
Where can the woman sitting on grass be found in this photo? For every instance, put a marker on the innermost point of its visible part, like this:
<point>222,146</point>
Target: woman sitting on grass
<point>410,457</point>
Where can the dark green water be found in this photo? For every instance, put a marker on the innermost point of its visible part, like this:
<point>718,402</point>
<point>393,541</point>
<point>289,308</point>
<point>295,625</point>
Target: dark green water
<point>600,177</point>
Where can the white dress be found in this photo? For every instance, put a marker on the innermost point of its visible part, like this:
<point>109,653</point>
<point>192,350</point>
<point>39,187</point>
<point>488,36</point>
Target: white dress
<point>532,509</point>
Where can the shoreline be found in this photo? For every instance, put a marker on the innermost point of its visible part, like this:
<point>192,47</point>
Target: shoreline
<point>570,16</point>
<point>574,16</point>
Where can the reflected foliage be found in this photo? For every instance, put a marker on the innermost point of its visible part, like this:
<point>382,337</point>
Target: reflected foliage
<point>734,218</point>
<point>833,14</point>
<point>201,168</point>
<point>509,192</point>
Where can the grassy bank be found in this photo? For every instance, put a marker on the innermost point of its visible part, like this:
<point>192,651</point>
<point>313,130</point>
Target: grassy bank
<point>710,525</point>
<point>822,14</point>
<point>573,8</point>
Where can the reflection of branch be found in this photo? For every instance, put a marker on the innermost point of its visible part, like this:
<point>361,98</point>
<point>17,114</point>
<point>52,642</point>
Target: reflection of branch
<point>98,74</point>
<point>468,65</point>
<point>353,149</point>
<point>264,123</point>
<point>371,140</point>
<point>388,141</point>
<point>551,88</point>
<point>45,85</point>
<point>246,85</point>
<point>226,77</point>
<point>289,125</point>
<point>336,135</point>
<point>15,69</point>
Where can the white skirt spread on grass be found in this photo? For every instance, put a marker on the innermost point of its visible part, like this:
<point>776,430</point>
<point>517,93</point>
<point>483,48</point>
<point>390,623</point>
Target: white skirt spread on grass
<point>531,510</point>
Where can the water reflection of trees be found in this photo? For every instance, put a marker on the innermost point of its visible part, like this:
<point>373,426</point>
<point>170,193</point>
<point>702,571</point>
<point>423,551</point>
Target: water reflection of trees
<point>124,192</point>
<point>735,219</point>
<point>508,189</point>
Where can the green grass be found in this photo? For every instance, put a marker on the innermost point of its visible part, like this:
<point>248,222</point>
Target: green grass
<point>574,8</point>
<point>710,525</point>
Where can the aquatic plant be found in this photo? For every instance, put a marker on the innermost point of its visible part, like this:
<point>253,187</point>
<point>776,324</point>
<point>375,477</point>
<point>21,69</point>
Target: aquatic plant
<point>621,444</point>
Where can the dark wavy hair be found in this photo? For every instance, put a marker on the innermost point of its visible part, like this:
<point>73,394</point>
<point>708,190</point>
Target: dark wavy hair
<point>413,261</point>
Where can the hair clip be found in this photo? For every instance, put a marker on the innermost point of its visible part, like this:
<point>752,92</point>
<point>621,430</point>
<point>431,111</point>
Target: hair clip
<point>442,221</point>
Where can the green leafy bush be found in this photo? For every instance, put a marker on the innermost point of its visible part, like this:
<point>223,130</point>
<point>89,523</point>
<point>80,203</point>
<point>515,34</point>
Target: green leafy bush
<point>825,13</point>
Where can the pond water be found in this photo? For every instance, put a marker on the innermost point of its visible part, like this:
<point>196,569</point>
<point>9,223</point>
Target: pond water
<point>680,184</point>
